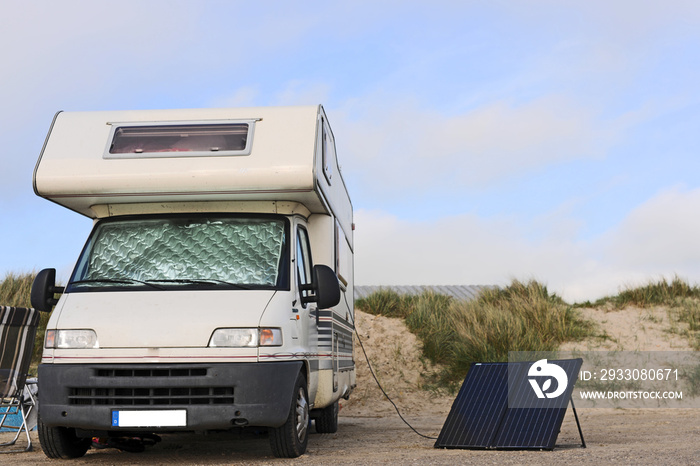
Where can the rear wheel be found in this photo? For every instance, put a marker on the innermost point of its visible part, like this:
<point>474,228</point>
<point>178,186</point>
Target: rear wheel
<point>290,440</point>
<point>61,442</point>
<point>327,422</point>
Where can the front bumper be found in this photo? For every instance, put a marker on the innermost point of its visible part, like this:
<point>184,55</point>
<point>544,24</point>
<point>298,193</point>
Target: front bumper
<point>215,396</point>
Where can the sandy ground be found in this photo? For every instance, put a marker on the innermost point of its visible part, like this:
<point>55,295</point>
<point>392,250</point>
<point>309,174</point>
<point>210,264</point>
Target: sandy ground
<point>370,432</point>
<point>612,436</point>
<point>632,329</point>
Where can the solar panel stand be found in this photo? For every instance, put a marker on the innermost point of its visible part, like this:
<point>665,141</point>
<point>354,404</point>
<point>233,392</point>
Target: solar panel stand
<point>578,424</point>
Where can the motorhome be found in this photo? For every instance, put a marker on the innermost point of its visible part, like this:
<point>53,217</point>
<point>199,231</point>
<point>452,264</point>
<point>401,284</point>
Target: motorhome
<point>215,290</point>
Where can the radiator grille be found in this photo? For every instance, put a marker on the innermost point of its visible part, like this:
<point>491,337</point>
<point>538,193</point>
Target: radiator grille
<point>160,372</point>
<point>161,396</point>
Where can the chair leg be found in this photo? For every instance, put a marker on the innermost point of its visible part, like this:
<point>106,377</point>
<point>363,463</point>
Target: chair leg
<point>22,427</point>
<point>10,410</point>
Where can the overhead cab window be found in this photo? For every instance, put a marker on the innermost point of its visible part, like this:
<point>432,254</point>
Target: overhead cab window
<point>180,140</point>
<point>304,265</point>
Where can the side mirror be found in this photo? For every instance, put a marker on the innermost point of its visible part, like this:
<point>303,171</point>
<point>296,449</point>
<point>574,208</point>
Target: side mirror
<point>43,289</point>
<point>326,286</point>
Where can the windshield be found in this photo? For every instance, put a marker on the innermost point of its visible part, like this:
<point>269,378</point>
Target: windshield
<point>184,251</point>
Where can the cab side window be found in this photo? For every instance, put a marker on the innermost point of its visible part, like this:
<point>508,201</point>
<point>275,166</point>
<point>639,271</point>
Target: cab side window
<point>304,265</point>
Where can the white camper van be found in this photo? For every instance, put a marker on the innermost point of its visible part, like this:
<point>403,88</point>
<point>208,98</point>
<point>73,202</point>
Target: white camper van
<point>216,288</point>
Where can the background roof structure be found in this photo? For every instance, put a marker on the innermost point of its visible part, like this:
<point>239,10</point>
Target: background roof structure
<point>464,292</point>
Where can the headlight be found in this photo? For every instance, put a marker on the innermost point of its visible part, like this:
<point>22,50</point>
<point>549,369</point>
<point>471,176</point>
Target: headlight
<point>237,337</point>
<point>65,339</point>
<point>245,337</point>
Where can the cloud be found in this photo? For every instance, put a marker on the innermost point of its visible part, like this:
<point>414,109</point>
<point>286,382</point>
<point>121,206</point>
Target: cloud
<point>401,146</point>
<point>462,249</point>
<point>660,235</point>
<point>657,239</point>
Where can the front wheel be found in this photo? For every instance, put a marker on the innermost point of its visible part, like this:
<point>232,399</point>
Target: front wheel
<point>61,442</point>
<point>290,440</point>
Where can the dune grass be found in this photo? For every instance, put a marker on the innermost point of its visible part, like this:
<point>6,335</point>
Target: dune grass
<point>455,333</point>
<point>15,290</point>
<point>520,317</point>
<point>654,293</point>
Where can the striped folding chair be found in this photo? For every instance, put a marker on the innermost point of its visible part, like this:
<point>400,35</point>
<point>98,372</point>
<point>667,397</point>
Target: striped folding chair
<point>17,332</point>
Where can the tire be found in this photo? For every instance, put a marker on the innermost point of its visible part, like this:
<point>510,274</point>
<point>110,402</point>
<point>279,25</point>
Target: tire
<point>327,422</point>
<point>290,440</point>
<point>61,442</point>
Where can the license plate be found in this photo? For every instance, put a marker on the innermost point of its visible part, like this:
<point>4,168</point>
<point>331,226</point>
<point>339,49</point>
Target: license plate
<point>150,418</point>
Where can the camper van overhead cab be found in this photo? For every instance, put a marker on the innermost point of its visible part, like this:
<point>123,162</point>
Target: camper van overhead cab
<point>215,290</point>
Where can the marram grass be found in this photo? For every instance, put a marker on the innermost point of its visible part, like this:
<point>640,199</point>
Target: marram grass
<point>455,333</point>
<point>653,293</point>
<point>519,317</point>
<point>15,289</point>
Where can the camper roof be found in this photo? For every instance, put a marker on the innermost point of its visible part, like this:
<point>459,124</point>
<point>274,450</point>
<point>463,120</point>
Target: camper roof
<point>95,159</point>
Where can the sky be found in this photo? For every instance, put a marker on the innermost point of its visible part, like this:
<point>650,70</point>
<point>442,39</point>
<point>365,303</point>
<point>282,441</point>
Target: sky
<point>481,142</point>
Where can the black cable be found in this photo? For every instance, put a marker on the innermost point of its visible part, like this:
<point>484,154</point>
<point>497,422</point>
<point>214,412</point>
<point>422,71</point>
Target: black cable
<point>369,365</point>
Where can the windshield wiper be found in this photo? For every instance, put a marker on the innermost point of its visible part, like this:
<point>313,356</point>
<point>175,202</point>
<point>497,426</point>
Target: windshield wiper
<point>193,281</point>
<point>235,285</point>
<point>127,281</point>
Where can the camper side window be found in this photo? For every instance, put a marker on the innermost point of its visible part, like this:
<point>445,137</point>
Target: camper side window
<point>304,266</point>
<point>328,152</point>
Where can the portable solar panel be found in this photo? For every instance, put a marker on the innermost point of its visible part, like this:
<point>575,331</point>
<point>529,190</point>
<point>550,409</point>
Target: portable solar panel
<point>486,414</point>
